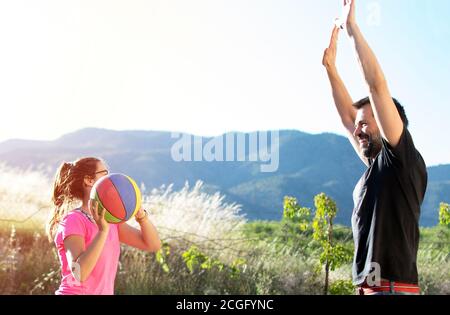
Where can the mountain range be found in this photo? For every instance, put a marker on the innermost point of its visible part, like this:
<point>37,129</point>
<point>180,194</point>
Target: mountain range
<point>305,166</point>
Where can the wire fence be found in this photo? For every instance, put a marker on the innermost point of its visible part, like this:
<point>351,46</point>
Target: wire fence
<point>172,234</point>
<point>26,219</point>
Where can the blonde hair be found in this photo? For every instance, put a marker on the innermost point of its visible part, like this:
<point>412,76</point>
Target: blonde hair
<point>68,187</point>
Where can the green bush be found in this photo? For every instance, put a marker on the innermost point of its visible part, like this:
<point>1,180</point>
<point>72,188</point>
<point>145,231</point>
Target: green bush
<point>444,214</point>
<point>342,287</point>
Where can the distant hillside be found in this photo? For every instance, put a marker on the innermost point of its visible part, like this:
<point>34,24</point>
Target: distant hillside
<point>308,164</point>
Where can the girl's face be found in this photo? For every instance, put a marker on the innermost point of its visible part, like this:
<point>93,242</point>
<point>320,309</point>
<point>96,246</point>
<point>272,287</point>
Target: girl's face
<point>101,171</point>
<point>89,181</point>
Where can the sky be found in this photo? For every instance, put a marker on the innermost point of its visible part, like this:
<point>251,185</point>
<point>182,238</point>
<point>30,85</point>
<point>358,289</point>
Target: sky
<point>210,66</point>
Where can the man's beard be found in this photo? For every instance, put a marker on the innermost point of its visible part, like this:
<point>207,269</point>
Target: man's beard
<point>373,145</point>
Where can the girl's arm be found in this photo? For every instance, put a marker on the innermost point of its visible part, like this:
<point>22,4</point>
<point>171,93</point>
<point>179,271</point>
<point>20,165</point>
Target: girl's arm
<point>82,260</point>
<point>145,239</point>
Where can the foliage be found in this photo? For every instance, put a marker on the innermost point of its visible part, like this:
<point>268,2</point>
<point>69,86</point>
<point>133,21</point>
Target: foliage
<point>332,255</point>
<point>342,287</point>
<point>296,214</point>
<point>162,255</point>
<point>325,213</point>
<point>195,259</point>
<point>444,214</point>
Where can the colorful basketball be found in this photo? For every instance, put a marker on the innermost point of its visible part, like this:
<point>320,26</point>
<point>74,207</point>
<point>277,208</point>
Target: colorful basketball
<point>119,195</point>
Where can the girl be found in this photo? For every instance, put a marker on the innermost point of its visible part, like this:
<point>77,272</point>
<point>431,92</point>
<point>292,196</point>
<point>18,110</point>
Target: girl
<point>88,246</point>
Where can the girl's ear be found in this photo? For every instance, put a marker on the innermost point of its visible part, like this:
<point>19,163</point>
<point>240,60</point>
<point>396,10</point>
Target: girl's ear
<point>89,181</point>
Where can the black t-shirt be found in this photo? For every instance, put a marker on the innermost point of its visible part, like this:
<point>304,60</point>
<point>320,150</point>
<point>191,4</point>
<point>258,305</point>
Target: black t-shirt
<point>385,219</point>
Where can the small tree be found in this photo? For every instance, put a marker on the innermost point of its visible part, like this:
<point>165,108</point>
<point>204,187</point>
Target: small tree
<point>293,212</point>
<point>332,255</point>
<point>444,214</point>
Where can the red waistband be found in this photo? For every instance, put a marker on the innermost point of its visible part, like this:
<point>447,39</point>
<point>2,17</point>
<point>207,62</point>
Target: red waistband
<point>387,286</point>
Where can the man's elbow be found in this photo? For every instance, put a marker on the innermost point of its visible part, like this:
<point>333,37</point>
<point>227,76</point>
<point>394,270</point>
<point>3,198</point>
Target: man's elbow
<point>378,85</point>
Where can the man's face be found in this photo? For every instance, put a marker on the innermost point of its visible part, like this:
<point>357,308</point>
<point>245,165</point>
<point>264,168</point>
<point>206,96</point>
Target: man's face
<point>367,132</point>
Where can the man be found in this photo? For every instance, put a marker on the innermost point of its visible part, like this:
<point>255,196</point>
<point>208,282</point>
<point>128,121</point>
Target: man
<point>387,198</point>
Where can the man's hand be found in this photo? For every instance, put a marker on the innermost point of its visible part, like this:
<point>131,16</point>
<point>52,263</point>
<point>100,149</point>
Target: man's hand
<point>329,56</point>
<point>347,17</point>
<point>349,10</point>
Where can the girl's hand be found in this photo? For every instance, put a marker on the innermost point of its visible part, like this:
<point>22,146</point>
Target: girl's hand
<point>141,214</point>
<point>98,213</point>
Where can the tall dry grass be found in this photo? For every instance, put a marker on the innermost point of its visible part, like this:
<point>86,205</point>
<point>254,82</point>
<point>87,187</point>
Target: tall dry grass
<point>24,197</point>
<point>185,218</point>
<point>191,215</point>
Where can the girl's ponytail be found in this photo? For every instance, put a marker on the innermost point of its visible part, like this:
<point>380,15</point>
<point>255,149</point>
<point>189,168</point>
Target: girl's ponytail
<point>60,185</point>
<point>67,187</point>
<point>60,195</point>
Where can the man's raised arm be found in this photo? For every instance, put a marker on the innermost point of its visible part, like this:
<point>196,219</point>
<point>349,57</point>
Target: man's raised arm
<point>384,109</point>
<point>341,96</point>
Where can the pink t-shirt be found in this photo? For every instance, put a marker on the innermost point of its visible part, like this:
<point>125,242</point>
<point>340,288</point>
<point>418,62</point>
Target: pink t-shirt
<point>101,279</point>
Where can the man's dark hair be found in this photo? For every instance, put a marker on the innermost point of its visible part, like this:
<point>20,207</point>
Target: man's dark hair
<point>401,111</point>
